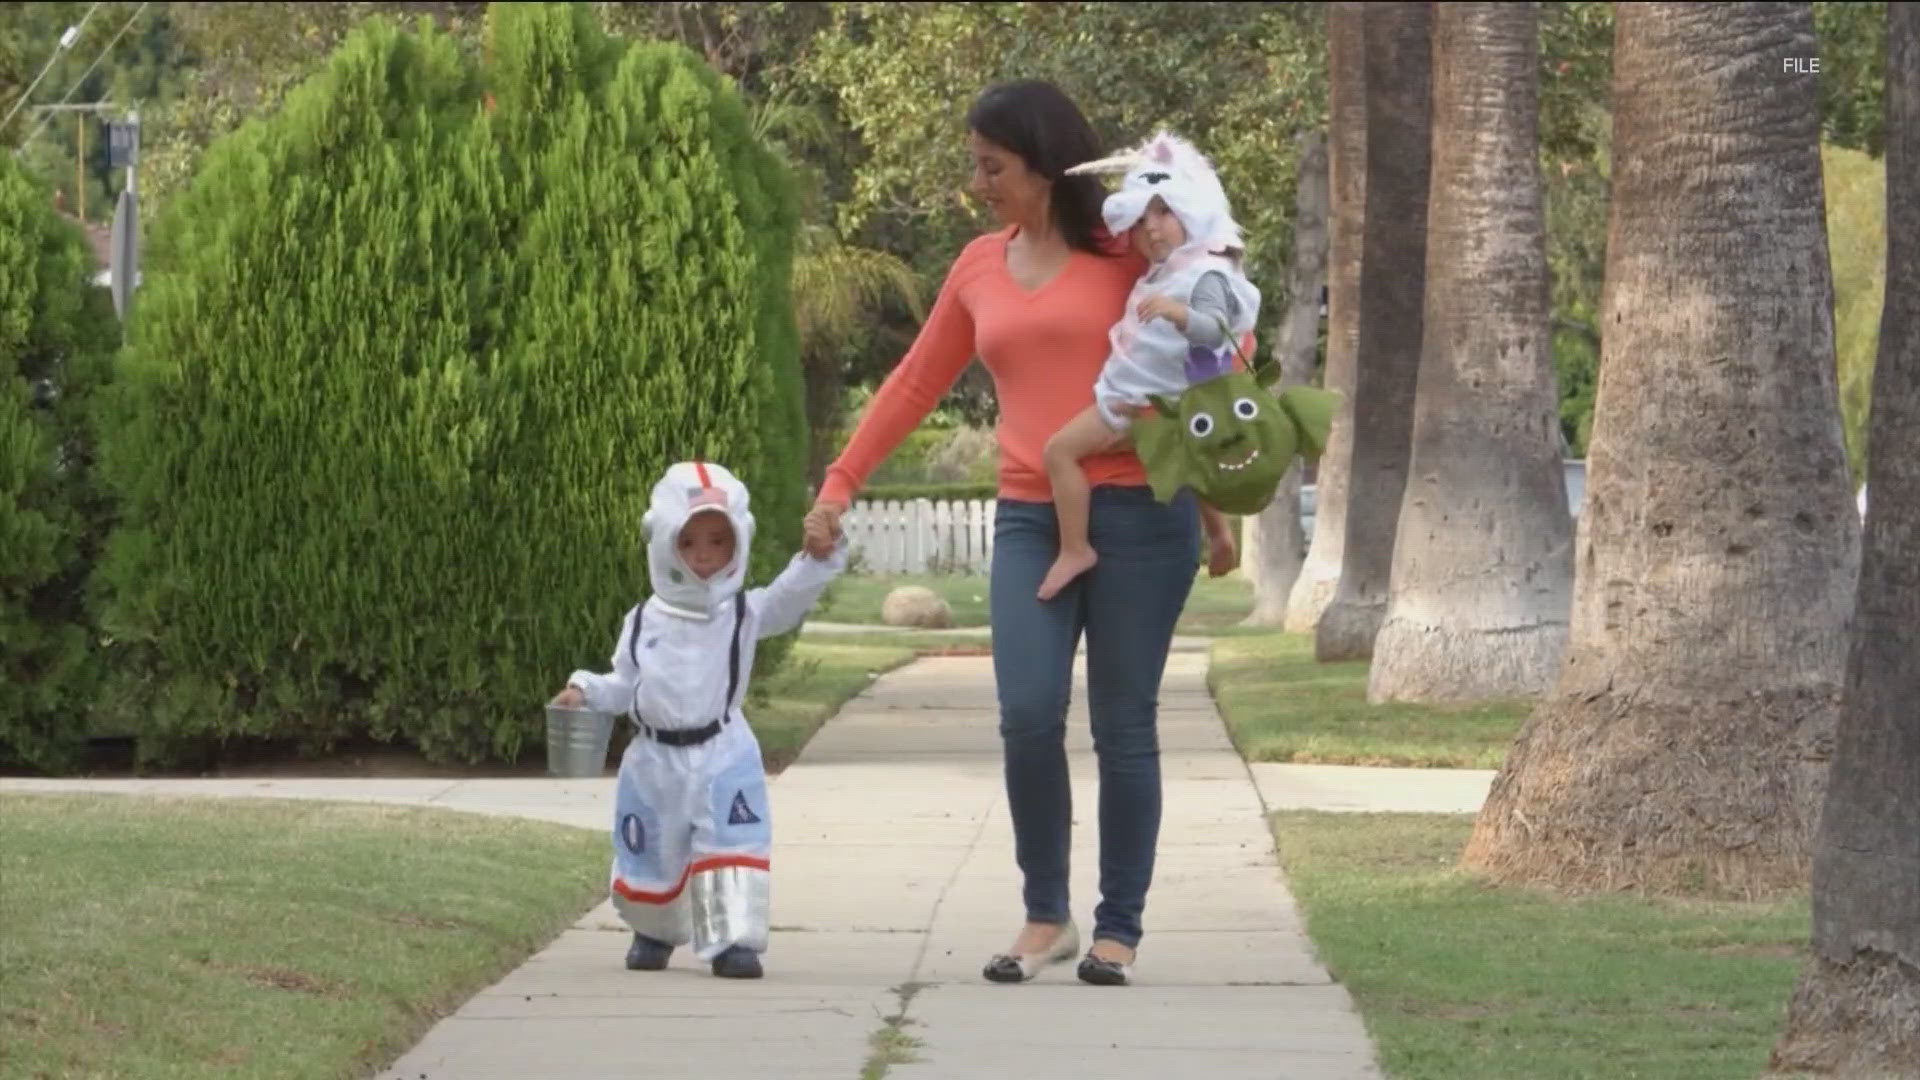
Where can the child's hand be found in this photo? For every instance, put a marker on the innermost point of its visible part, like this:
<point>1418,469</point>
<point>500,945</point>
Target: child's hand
<point>570,698</point>
<point>822,530</point>
<point>1164,307</point>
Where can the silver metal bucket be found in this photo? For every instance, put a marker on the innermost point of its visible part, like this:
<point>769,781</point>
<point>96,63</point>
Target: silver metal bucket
<point>577,741</point>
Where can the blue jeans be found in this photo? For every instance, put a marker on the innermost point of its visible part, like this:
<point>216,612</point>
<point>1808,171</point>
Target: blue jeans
<point>1127,605</point>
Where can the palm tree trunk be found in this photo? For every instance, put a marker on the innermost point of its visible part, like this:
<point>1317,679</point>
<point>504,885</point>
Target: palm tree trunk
<point>1483,559</point>
<point>1684,743</point>
<point>1276,545</point>
<point>1857,1008</point>
<point>1319,576</point>
<point>1399,40</point>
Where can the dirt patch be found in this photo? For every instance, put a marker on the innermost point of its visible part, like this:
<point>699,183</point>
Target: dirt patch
<point>288,979</point>
<point>1781,950</point>
<point>422,922</point>
<point>280,978</point>
<point>1452,1011</point>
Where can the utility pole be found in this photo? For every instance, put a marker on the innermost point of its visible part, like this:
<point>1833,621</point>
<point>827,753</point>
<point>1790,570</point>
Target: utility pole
<point>123,148</point>
<point>123,151</point>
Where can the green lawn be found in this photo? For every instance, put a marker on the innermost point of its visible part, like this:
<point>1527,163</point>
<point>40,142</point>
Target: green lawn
<point>821,675</point>
<point>921,642</point>
<point>1280,705</point>
<point>146,937</point>
<point>856,598</point>
<point>1460,981</point>
<point>1216,604</point>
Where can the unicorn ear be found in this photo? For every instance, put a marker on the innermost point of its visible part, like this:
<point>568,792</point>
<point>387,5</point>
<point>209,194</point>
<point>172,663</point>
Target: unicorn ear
<point>1114,164</point>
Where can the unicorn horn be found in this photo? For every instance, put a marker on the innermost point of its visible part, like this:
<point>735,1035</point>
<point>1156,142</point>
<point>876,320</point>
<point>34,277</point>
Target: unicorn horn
<point>1116,163</point>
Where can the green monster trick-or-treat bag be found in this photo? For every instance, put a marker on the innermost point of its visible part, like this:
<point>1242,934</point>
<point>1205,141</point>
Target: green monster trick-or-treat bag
<point>1229,437</point>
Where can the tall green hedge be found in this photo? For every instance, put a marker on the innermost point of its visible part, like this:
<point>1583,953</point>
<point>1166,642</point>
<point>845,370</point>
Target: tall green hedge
<point>412,352</point>
<point>56,334</point>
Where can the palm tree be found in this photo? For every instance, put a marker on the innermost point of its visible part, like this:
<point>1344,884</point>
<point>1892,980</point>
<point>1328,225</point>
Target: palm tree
<point>1319,575</point>
<point>1399,47</point>
<point>1483,558</point>
<point>1684,743</point>
<point>1857,1008</point>
<point>1276,545</point>
<point>837,286</point>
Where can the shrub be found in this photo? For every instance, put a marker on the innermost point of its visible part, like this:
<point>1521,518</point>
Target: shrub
<point>413,351</point>
<point>56,332</point>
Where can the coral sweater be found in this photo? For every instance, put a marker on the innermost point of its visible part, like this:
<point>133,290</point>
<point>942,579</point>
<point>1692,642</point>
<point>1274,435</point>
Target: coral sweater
<point>1043,348</point>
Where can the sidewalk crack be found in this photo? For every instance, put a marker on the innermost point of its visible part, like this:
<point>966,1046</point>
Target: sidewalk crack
<point>891,1045</point>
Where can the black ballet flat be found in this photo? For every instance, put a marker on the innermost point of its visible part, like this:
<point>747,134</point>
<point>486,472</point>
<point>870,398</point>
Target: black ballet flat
<point>1007,968</point>
<point>1095,971</point>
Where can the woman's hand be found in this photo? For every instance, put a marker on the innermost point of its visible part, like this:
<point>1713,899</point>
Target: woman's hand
<point>823,529</point>
<point>570,698</point>
<point>1223,554</point>
<point>1223,547</point>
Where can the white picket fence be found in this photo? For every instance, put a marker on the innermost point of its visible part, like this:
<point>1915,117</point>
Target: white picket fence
<point>925,536</point>
<point>921,536</point>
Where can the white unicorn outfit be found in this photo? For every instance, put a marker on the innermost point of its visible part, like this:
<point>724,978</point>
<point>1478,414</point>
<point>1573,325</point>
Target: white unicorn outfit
<point>1155,357</point>
<point>692,830</point>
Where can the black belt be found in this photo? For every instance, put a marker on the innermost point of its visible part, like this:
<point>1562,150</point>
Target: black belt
<point>683,736</point>
<point>696,736</point>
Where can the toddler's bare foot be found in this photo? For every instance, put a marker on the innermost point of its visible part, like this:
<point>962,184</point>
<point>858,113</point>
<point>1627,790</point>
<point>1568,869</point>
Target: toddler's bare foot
<point>1067,566</point>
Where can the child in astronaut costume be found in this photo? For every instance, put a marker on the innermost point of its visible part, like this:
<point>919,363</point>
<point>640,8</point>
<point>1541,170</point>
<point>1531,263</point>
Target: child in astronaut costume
<point>692,828</point>
<point>1183,316</point>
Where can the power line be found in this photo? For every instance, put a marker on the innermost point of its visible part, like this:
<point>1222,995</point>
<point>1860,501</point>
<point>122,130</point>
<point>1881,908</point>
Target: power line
<point>67,39</point>
<point>77,83</point>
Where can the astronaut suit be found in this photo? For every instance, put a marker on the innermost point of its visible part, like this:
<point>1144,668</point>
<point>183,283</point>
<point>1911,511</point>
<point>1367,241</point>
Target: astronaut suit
<point>692,829</point>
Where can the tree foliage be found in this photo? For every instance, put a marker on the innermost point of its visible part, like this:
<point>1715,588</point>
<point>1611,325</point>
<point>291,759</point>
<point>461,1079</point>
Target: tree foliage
<point>1853,74</point>
<point>1239,78</point>
<point>884,87</point>
<point>238,61</point>
<point>1242,79</point>
<point>394,487</point>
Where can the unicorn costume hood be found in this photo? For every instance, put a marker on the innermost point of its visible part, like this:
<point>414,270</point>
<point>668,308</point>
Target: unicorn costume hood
<point>689,488</point>
<point>1171,168</point>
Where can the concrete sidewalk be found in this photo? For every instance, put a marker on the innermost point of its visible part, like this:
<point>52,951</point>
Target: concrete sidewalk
<point>982,634</point>
<point>1372,789</point>
<point>894,881</point>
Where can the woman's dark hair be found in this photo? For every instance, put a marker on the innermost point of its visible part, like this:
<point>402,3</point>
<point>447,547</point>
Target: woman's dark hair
<point>1036,120</point>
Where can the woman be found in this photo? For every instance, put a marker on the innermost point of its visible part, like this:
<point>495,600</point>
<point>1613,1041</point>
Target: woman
<point>1035,302</point>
